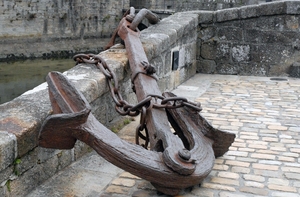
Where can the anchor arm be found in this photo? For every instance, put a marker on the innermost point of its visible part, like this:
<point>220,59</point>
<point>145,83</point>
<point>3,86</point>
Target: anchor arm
<point>63,128</point>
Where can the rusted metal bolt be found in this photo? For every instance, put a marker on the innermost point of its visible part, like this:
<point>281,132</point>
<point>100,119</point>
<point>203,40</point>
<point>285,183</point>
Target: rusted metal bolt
<point>150,69</point>
<point>184,154</point>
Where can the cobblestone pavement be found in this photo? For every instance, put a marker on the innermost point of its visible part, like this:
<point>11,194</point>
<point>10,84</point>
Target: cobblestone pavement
<point>264,159</point>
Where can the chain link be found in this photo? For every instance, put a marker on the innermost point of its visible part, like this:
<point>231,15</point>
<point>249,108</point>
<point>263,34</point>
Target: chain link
<point>124,108</point>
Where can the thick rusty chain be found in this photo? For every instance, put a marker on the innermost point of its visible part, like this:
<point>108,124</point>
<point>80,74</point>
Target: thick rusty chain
<point>123,107</point>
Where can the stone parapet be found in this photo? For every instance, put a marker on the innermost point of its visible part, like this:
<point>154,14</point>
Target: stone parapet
<point>24,165</point>
<point>259,40</point>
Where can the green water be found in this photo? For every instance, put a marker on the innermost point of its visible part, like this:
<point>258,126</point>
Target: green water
<point>18,77</point>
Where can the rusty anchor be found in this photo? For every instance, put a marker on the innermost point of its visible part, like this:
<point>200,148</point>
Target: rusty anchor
<point>174,160</point>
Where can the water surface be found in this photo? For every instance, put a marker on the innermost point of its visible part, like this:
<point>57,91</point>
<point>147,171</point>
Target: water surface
<point>18,77</point>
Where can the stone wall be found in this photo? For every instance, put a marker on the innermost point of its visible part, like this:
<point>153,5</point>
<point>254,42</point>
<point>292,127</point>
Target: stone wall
<point>32,28</point>
<point>189,5</point>
<point>24,165</point>
<point>260,40</point>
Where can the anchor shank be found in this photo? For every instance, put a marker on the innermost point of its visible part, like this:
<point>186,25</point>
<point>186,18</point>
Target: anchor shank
<point>161,136</point>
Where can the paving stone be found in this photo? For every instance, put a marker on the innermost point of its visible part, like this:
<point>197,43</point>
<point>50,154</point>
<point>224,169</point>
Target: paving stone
<point>241,170</point>
<point>256,191</point>
<point>288,159</point>
<point>291,169</point>
<point>254,184</point>
<point>230,194</point>
<point>269,152</point>
<point>237,153</point>
<point>263,156</point>
<point>256,178</point>
<point>270,162</point>
<point>221,167</point>
<point>247,159</point>
<point>123,182</point>
<point>265,167</point>
<point>295,150</point>
<point>237,163</point>
<point>247,149</point>
<point>278,181</point>
<point>229,175</point>
<point>267,173</point>
<point>143,193</point>
<point>282,188</point>
<point>128,175</point>
<point>203,191</point>
<point>277,127</point>
<point>218,187</point>
<point>284,194</point>
<point>117,189</point>
<point>225,181</point>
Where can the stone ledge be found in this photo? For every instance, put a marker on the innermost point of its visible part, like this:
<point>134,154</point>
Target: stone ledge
<point>8,148</point>
<point>168,32</point>
<point>264,9</point>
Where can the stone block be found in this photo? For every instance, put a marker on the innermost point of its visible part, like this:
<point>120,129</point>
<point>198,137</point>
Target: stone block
<point>22,116</point>
<point>230,33</point>
<point>292,7</point>
<point>44,154</point>
<point>208,50</point>
<point>223,51</point>
<point>206,32</point>
<point>253,69</point>
<point>272,8</point>
<point>66,157</point>
<point>240,53</point>
<point>161,69</point>
<point>294,70</point>
<point>2,191</point>
<point>33,177</point>
<point>82,73</point>
<point>167,61</point>
<point>98,109</point>
<point>164,24</point>
<point>252,35</point>
<point>206,17</point>
<point>8,149</point>
<point>270,53</point>
<point>227,69</point>
<point>5,174</point>
<point>274,37</point>
<point>227,14</point>
<point>206,66</point>
<point>26,162</point>
<point>249,11</point>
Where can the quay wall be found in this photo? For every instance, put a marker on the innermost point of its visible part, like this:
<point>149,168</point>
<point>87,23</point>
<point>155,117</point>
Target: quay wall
<point>58,28</point>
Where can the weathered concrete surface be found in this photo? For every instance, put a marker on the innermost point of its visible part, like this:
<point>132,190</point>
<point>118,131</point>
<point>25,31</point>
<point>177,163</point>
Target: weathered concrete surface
<point>263,160</point>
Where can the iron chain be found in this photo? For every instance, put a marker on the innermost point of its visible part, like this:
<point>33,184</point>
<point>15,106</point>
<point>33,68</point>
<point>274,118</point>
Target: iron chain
<point>123,107</point>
